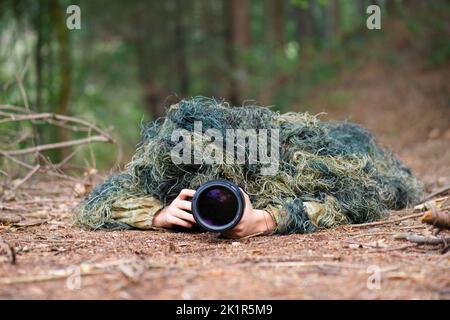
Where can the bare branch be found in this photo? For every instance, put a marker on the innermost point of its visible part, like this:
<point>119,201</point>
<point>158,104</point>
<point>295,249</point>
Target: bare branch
<point>10,113</point>
<point>66,159</point>
<point>65,144</point>
<point>13,108</point>
<point>50,116</point>
<point>19,162</point>
<point>28,176</point>
<point>19,117</point>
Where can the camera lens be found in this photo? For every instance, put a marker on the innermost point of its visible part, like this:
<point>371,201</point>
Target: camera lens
<point>217,206</point>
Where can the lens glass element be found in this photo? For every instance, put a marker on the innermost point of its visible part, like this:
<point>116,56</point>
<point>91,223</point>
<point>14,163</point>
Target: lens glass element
<point>217,206</point>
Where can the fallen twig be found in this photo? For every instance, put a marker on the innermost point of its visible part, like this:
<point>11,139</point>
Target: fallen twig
<point>406,246</point>
<point>422,239</point>
<point>319,264</point>
<point>379,223</point>
<point>366,234</point>
<point>30,223</point>
<point>436,193</point>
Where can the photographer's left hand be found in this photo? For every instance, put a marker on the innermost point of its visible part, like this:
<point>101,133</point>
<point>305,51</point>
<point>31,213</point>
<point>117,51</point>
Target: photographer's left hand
<point>254,222</point>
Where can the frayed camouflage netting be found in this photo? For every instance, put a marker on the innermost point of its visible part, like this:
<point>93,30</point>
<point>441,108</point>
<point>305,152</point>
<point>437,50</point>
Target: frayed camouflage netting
<point>338,164</point>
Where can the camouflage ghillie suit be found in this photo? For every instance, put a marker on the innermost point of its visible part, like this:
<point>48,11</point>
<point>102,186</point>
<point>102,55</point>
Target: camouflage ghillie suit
<point>330,173</point>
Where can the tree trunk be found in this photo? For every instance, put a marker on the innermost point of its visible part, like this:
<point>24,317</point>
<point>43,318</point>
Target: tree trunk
<point>239,40</point>
<point>38,56</point>
<point>39,131</point>
<point>229,55</point>
<point>304,24</point>
<point>65,68</point>
<point>336,7</point>
<point>277,8</point>
<point>240,23</point>
<point>180,49</point>
<point>148,57</point>
<point>329,23</point>
<point>154,95</point>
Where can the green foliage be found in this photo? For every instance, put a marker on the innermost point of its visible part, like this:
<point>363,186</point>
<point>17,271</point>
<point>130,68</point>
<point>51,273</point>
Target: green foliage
<point>303,4</point>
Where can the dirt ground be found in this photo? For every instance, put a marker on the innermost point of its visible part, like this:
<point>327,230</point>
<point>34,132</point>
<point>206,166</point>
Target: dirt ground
<point>57,260</point>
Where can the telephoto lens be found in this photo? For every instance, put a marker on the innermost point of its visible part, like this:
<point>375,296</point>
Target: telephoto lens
<point>218,205</point>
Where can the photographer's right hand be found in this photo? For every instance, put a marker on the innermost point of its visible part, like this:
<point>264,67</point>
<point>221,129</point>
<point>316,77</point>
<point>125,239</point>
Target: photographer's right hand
<point>177,213</point>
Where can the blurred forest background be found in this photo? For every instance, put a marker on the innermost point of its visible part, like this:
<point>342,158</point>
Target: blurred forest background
<point>131,59</point>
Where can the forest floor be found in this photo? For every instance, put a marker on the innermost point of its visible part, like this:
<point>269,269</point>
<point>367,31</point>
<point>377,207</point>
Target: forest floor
<point>408,110</point>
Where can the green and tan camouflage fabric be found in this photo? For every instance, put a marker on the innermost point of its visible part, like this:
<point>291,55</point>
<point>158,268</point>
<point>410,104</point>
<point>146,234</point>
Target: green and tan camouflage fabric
<point>329,172</point>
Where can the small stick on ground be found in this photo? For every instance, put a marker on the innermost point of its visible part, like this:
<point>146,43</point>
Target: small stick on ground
<point>422,239</point>
<point>379,223</point>
<point>299,264</point>
<point>406,246</point>
<point>436,193</point>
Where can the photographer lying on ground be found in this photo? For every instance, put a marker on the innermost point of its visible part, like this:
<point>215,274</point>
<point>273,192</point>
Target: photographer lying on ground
<point>327,174</point>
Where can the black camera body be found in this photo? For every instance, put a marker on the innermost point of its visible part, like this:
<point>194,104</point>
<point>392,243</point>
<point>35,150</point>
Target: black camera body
<point>218,205</point>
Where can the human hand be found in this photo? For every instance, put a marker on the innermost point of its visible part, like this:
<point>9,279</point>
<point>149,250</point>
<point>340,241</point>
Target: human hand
<point>177,213</point>
<point>254,222</point>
